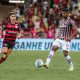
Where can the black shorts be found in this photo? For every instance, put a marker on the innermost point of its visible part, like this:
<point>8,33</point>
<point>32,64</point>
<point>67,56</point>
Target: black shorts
<point>8,45</point>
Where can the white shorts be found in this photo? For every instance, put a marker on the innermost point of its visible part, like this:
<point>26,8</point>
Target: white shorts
<point>62,44</point>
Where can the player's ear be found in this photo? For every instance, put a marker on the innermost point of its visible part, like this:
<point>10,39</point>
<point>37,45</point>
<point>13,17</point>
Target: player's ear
<point>67,14</point>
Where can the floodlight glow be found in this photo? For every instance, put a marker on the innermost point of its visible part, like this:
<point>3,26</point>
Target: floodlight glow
<point>16,1</point>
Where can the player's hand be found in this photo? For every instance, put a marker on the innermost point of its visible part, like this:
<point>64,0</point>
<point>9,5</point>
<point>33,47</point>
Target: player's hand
<point>18,37</point>
<point>68,39</point>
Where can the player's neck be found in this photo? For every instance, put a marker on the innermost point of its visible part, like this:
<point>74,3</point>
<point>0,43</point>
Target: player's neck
<point>12,22</point>
<point>65,18</point>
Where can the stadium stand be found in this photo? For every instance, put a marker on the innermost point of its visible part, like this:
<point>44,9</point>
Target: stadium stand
<point>40,18</point>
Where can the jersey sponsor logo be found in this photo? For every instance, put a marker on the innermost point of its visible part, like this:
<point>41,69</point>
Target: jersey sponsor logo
<point>12,32</point>
<point>63,23</point>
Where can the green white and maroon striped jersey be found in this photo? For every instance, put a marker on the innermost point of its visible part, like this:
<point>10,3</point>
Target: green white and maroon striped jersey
<point>65,28</point>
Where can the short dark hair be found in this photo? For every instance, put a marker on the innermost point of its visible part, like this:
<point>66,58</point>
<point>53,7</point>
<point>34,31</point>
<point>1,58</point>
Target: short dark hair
<point>11,13</point>
<point>65,10</point>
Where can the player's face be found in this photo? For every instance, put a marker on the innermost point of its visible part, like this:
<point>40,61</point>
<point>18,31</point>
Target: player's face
<point>13,17</point>
<point>64,14</point>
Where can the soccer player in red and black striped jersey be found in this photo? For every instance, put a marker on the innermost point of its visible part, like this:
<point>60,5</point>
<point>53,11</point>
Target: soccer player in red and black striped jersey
<point>67,31</point>
<point>12,29</point>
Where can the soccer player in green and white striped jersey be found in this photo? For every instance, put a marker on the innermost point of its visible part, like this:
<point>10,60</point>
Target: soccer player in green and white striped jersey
<point>67,30</point>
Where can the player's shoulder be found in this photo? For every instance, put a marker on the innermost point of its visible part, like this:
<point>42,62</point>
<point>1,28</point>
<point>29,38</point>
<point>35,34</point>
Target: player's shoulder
<point>17,23</point>
<point>71,20</point>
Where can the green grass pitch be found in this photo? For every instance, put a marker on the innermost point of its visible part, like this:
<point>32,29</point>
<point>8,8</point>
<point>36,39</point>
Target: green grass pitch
<point>20,66</point>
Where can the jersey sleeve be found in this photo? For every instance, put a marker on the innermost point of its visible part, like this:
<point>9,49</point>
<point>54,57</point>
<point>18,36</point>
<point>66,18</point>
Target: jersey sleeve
<point>74,25</point>
<point>3,27</point>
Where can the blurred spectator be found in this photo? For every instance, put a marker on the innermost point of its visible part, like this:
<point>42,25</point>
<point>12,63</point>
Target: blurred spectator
<point>30,11</point>
<point>34,1</point>
<point>56,2</point>
<point>75,11</point>
<point>51,31</point>
<point>36,22</point>
<point>34,33</point>
<point>41,17</point>
<point>75,1</point>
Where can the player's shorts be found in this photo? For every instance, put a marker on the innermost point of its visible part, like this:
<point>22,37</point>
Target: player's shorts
<point>62,44</point>
<point>8,45</point>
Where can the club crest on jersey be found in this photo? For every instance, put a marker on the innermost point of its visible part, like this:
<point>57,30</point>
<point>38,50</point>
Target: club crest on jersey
<point>16,26</point>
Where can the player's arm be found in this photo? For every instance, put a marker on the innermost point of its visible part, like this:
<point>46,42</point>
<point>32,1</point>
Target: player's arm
<point>20,32</point>
<point>74,30</point>
<point>2,28</point>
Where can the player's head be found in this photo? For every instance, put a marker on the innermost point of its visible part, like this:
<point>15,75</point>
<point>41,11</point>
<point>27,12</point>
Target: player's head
<point>65,13</point>
<point>12,16</point>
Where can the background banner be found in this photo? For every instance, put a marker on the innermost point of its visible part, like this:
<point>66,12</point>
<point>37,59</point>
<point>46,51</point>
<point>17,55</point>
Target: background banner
<point>41,44</point>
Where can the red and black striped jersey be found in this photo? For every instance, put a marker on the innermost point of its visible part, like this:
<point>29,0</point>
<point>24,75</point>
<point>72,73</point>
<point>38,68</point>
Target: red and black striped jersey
<point>11,31</point>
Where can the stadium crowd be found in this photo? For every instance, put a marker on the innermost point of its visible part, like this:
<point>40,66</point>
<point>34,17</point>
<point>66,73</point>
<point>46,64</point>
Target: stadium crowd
<point>40,18</point>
